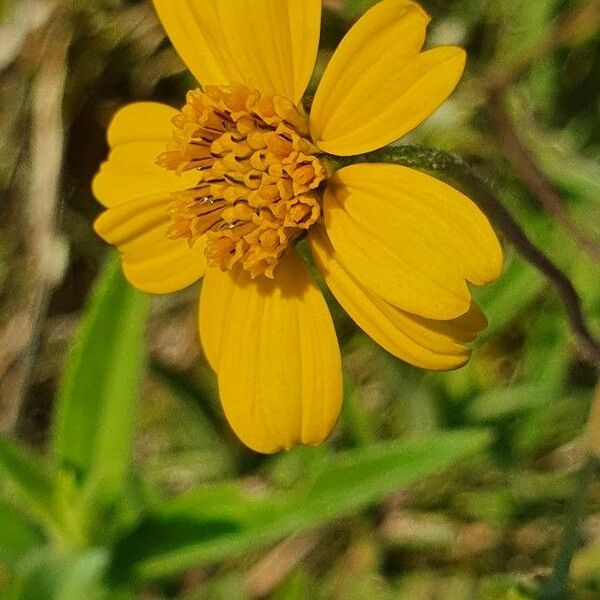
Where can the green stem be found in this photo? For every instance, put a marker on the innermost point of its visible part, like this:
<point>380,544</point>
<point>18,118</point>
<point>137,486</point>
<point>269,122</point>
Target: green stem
<point>454,168</point>
<point>557,587</point>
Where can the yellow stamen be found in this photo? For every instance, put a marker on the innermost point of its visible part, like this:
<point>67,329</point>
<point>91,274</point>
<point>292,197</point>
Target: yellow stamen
<point>258,176</point>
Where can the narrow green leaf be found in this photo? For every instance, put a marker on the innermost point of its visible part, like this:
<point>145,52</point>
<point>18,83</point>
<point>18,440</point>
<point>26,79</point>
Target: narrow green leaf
<point>558,156</point>
<point>18,535</point>
<point>45,575</point>
<point>27,476</point>
<point>296,587</point>
<point>501,403</point>
<point>358,478</point>
<point>82,577</point>
<point>94,423</point>
<point>218,522</point>
<point>509,296</point>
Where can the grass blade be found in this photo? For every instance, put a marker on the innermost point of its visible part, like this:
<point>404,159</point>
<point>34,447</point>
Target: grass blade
<point>221,521</point>
<point>17,535</point>
<point>94,426</point>
<point>23,472</point>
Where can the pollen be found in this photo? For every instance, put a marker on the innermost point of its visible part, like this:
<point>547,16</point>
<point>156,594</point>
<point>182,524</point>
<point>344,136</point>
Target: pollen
<point>258,176</point>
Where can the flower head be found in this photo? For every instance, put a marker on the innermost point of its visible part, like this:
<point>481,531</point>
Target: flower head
<point>224,188</point>
<point>257,171</point>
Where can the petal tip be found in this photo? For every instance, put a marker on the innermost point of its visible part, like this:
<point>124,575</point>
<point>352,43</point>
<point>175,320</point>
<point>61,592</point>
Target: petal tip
<point>95,185</point>
<point>140,121</point>
<point>99,225</point>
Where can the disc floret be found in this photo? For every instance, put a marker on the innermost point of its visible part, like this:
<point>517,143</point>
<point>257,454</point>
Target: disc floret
<point>258,176</point>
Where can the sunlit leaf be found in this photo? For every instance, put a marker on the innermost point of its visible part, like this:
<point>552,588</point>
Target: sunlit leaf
<point>95,418</point>
<point>24,473</point>
<point>45,575</point>
<point>509,296</point>
<point>221,521</point>
<point>17,534</point>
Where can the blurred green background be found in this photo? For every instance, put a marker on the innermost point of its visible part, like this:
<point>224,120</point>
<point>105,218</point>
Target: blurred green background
<point>119,476</point>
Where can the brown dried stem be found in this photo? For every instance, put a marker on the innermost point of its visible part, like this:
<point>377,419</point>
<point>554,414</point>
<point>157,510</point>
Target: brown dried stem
<point>267,574</point>
<point>43,247</point>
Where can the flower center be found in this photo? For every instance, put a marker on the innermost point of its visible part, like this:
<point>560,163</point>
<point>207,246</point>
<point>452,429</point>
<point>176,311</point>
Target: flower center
<point>258,176</point>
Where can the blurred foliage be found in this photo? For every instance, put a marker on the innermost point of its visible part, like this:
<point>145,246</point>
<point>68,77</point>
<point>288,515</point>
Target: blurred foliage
<point>126,481</point>
<point>105,534</point>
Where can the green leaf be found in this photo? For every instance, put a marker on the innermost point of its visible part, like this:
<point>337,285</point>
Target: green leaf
<point>44,575</point>
<point>217,522</point>
<point>557,154</point>
<point>527,23</point>
<point>95,418</point>
<point>501,403</point>
<point>17,535</point>
<point>508,297</point>
<point>83,576</point>
<point>296,587</point>
<point>27,476</point>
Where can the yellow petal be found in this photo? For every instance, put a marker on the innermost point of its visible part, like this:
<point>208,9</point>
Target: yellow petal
<point>141,122</point>
<point>137,135</point>
<point>305,30</point>
<point>195,30</point>
<point>270,45</point>
<point>274,42</point>
<point>378,86</point>
<point>279,367</point>
<point>151,262</point>
<point>217,290</point>
<point>409,238</point>
<point>390,26</point>
<point>425,343</point>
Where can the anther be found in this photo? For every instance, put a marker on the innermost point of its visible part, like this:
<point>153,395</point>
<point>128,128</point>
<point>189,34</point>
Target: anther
<point>258,173</point>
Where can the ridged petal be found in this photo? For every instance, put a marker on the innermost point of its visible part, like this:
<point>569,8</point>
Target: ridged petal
<point>279,366</point>
<point>425,343</point>
<point>141,122</point>
<point>270,45</point>
<point>151,262</point>
<point>196,32</point>
<point>137,135</point>
<point>217,291</point>
<point>377,86</point>
<point>305,30</point>
<point>409,238</point>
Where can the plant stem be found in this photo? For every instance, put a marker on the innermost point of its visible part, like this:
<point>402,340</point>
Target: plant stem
<point>557,587</point>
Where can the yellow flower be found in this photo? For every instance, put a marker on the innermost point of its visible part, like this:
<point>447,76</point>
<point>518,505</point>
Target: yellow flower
<point>225,187</point>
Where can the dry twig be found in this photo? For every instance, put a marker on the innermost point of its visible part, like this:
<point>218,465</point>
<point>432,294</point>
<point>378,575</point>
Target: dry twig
<point>265,576</point>
<point>44,249</point>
